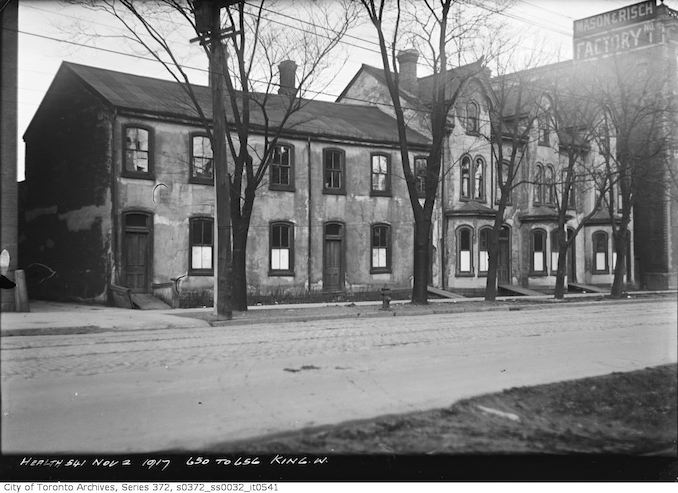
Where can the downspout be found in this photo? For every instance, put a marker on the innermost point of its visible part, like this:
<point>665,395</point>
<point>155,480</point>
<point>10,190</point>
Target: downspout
<point>310,215</point>
<point>443,208</point>
<point>115,219</point>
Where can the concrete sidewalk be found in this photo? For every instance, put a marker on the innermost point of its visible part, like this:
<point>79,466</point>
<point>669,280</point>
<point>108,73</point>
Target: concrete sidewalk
<point>52,318</point>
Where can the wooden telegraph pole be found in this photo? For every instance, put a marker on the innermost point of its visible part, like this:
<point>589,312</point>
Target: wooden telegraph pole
<point>208,25</point>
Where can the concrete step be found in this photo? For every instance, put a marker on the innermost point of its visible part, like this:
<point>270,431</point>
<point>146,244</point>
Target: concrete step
<point>444,293</point>
<point>145,301</point>
<point>587,288</point>
<point>519,290</point>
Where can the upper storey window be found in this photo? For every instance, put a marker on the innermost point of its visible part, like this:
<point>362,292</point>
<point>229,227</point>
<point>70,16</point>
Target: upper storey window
<point>137,152</point>
<point>420,176</point>
<point>334,180</point>
<point>472,117</point>
<point>202,163</point>
<point>381,174</point>
<point>282,168</point>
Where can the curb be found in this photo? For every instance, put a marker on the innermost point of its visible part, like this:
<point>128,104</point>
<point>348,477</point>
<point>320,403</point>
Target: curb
<point>452,307</point>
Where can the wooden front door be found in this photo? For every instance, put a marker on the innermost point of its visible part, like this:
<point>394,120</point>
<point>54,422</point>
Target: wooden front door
<point>333,267</point>
<point>137,252</point>
<point>504,257</point>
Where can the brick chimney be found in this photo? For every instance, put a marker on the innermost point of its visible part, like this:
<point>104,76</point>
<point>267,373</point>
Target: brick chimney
<point>288,72</point>
<point>407,60</point>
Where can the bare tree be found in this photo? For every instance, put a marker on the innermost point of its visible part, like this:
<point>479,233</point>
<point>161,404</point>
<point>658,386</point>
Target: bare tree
<point>512,109</point>
<point>257,109</point>
<point>639,111</point>
<point>583,171</point>
<point>445,90</point>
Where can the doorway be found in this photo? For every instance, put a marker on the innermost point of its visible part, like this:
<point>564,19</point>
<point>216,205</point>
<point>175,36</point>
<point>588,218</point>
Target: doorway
<point>333,256</point>
<point>504,256</point>
<point>136,251</point>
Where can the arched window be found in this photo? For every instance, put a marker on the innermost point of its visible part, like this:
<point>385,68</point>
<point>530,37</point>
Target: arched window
<point>484,249</point>
<point>537,186</point>
<point>465,177</point>
<point>538,244</point>
<point>549,185</point>
<point>472,117</point>
<point>420,175</point>
<point>479,179</point>
<point>544,131</point>
<point>464,250</point>
<point>201,245</point>
<point>381,248</point>
<point>281,242</point>
<point>501,180</point>
<point>600,247</point>
<point>282,168</point>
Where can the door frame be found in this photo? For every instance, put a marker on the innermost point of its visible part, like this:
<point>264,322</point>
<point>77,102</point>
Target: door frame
<point>148,229</point>
<point>508,253</point>
<point>342,255</point>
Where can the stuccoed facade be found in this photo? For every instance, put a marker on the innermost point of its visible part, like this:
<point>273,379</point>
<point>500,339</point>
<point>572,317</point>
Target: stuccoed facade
<point>115,197</point>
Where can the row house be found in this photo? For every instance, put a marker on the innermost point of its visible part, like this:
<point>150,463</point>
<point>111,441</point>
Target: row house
<point>119,192</point>
<point>468,194</point>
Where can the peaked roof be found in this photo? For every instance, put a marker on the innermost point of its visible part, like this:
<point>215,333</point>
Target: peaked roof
<point>425,84</point>
<point>168,98</point>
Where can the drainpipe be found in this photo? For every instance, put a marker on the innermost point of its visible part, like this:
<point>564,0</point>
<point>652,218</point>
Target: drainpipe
<point>443,208</point>
<point>310,215</point>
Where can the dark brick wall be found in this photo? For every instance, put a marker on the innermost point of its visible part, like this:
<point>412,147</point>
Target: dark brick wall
<point>67,213</point>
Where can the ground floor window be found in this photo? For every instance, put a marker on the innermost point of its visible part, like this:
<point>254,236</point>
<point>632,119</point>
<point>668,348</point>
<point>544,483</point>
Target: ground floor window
<point>465,250</point>
<point>201,245</point>
<point>538,244</point>
<point>555,248</point>
<point>600,244</point>
<point>381,243</point>
<point>484,247</point>
<point>282,248</point>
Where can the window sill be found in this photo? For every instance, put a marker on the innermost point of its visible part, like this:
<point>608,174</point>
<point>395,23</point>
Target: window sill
<point>281,188</point>
<point>140,176</point>
<point>281,273</point>
<point>380,193</point>
<point>327,191</point>
<point>538,274</point>
<point>601,272</point>
<point>201,181</point>
<point>464,274</point>
<point>380,271</point>
<point>201,273</point>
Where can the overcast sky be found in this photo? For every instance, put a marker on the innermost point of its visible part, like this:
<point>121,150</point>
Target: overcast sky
<point>49,29</point>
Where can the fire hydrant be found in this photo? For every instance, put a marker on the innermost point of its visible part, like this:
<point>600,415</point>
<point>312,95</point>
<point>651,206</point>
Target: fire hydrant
<point>385,298</point>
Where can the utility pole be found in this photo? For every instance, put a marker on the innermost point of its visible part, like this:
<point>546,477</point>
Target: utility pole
<point>208,25</point>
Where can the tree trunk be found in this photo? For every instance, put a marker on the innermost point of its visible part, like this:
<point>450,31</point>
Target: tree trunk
<point>620,267</point>
<point>422,232</point>
<point>562,269</point>
<point>493,260</point>
<point>239,272</point>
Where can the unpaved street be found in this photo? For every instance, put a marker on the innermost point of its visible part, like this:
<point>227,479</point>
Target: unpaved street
<point>147,390</point>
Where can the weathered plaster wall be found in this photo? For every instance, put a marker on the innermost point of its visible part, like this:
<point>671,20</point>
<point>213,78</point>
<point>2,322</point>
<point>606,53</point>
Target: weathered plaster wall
<point>172,200</point>
<point>68,203</point>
